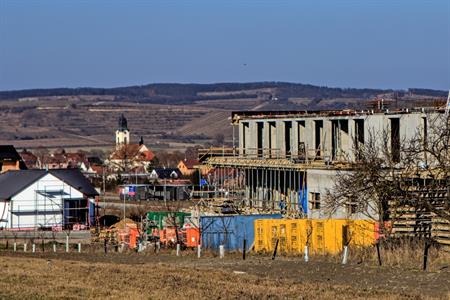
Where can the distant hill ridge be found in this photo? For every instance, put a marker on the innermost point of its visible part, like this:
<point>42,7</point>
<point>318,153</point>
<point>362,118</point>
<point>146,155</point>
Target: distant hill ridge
<point>179,93</point>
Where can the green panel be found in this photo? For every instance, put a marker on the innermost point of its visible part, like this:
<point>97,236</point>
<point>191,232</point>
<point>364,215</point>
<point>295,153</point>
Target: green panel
<point>161,219</point>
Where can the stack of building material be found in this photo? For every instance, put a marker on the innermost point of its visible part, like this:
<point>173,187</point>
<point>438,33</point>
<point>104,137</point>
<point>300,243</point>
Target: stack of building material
<point>127,232</point>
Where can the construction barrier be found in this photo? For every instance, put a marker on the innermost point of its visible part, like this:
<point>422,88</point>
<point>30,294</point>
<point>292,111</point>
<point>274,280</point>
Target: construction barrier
<point>230,231</point>
<point>191,236</point>
<point>322,236</point>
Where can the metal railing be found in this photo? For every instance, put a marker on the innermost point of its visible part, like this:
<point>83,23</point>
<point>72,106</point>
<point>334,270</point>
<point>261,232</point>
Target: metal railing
<point>302,155</point>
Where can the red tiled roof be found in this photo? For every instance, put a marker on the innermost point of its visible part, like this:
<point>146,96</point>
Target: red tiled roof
<point>98,169</point>
<point>190,163</point>
<point>133,151</point>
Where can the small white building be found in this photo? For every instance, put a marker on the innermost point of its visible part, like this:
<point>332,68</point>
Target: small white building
<point>58,198</point>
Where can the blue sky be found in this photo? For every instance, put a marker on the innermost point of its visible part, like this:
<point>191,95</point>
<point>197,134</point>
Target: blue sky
<point>376,44</point>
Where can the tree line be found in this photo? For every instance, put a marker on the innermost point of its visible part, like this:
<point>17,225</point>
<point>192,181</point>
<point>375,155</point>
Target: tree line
<point>161,92</point>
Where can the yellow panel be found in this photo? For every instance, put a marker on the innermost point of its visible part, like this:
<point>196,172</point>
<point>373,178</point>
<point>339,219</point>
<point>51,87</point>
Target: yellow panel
<point>323,236</point>
<point>363,233</point>
<point>260,243</point>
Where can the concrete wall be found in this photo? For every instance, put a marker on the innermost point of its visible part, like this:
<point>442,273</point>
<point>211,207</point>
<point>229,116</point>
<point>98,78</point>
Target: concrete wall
<point>342,136</point>
<point>321,181</point>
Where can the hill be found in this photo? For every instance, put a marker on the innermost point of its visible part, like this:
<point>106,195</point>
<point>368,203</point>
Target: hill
<point>161,93</point>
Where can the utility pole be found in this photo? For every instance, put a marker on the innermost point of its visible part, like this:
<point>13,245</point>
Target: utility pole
<point>165,200</point>
<point>124,197</point>
<point>104,190</point>
<point>447,106</point>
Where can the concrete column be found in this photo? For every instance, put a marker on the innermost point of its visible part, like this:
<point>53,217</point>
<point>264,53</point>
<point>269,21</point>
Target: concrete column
<point>252,138</point>
<point>309,137</point>
<point>294,139</point>
<point>327,138</point>
<point>281,143</point>
<point>266,139</point>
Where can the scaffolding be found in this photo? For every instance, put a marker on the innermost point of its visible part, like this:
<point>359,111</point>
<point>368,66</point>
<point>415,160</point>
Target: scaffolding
<point>51,209</point>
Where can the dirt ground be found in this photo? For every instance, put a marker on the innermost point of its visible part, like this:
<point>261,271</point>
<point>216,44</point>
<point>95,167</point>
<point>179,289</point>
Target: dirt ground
<point>162,276</point>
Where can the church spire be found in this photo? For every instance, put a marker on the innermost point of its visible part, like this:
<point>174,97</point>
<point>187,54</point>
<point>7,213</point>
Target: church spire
<point>122,133</point>
<point>123,124</point>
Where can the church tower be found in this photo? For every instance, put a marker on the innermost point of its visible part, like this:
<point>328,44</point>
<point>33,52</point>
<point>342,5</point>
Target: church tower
<point>122,133</point>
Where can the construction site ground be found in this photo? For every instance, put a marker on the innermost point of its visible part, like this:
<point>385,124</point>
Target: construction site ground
<point>166,276</point>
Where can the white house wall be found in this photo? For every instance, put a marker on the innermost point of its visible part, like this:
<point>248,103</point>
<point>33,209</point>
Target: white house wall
<point>4,211</point>
<point>25,205</point>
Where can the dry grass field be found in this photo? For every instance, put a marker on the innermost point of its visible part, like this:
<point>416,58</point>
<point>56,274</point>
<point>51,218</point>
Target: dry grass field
<point>148,276</point>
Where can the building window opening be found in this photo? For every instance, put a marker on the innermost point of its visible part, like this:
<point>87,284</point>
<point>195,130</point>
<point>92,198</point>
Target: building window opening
<point>315,200</point>
<point>287,137</point>
<point>318,134</point>
<point>395,139</point>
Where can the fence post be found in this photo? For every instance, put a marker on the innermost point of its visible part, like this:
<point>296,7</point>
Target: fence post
<point>221,251</point>
<point>79,247</point>
<point>105,246</point>
<point>345,257</point>
<point>33,248</point>
<point>425,254</point>
<point>67,243</point>
<point>54,247</point>
<point>244,248</point>
<point>178,249</point>
<point>25,247</point>
<point>275,250</point>
<point>306,256</point>
<point>378,253</point>
<point>199,251</point>
<point>15,246</point>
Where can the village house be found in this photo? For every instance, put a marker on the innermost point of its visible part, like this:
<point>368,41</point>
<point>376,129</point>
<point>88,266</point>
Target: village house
<point>57,199</point>
<point>10,159</point>
<point>187,166</point>
<point>165,173</point>
<point>31,161</point>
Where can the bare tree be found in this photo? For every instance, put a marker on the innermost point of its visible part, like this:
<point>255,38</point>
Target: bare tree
<point>371,183</point>
<point>383,184</point>
<point>41,154</point>
<point>429,150</point>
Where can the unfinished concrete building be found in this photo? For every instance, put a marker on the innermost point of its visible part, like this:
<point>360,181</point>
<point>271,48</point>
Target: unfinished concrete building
<point>286,161</point>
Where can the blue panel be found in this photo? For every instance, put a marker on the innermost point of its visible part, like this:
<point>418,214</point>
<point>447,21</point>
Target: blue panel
<point>91,213</point>
<point>303,200</point>
<point>66,213</point>
<point>230,231</point>
<point>303,194</point>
